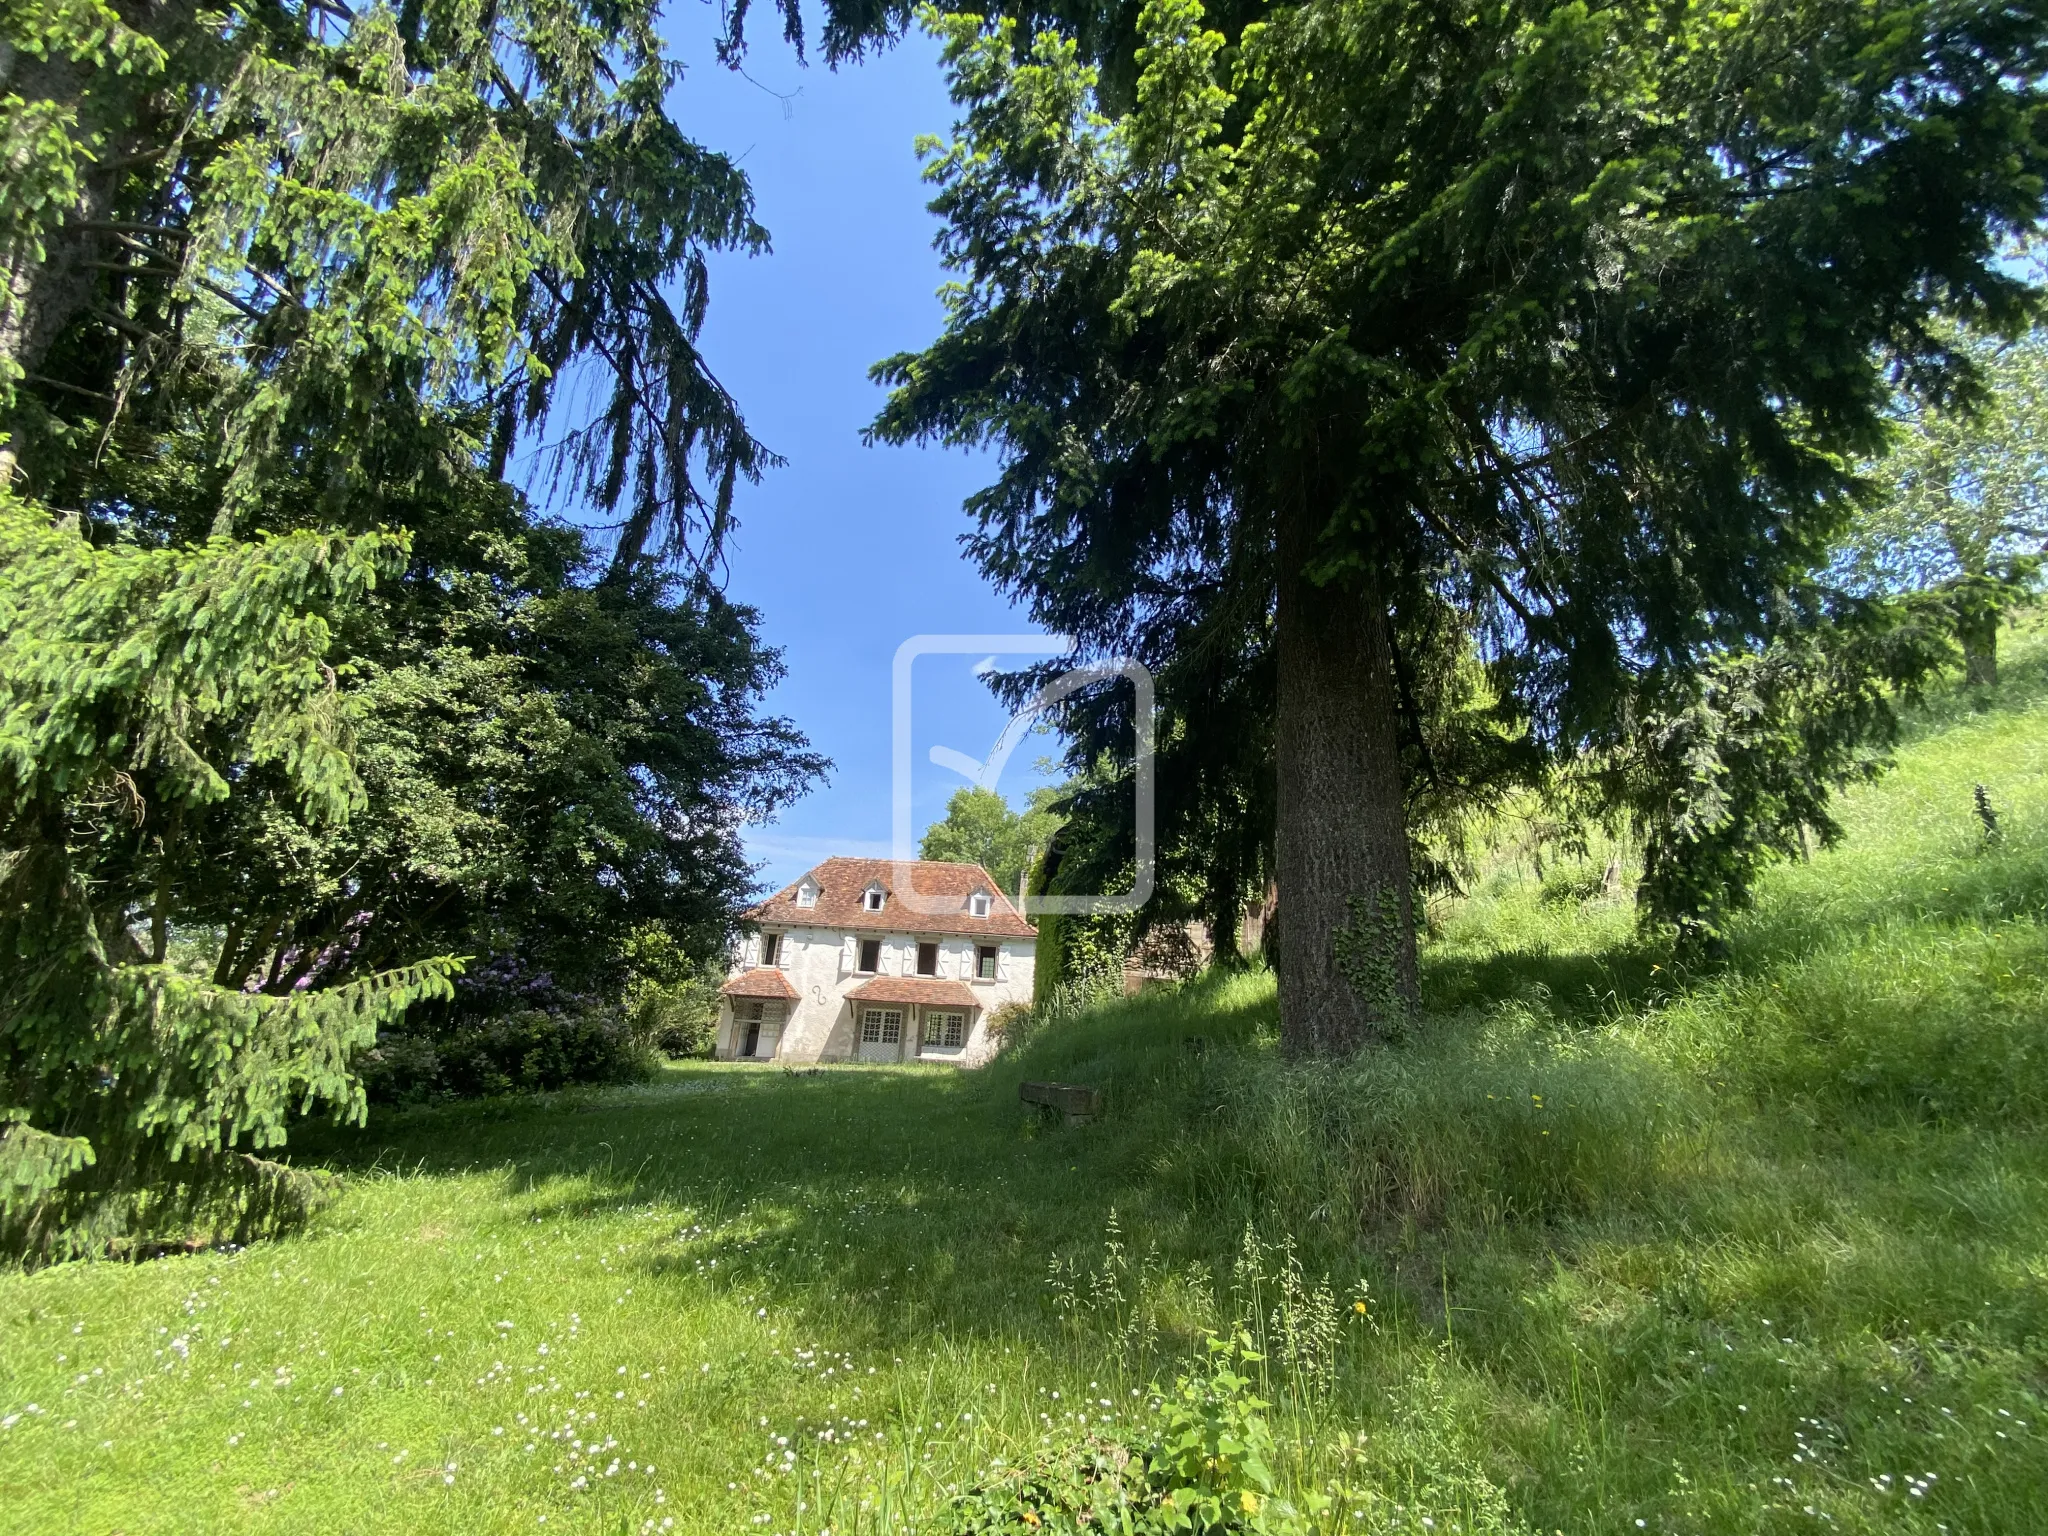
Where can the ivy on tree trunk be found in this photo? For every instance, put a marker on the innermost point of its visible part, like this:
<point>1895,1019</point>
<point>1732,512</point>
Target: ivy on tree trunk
<point>1347,941</point>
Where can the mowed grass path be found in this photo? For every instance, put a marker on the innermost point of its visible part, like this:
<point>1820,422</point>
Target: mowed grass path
<point>1762,1250</point>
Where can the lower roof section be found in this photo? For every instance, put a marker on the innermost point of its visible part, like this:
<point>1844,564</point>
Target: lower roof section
<point>762,981</point>
<point>915,989</point>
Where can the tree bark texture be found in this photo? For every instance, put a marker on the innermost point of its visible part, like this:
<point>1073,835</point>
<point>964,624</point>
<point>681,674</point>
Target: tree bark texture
<point>1979,635</point>
<point>1347,930</point>
<point>53,263</point>
<point>46,288</point>
<point>1226,914</point>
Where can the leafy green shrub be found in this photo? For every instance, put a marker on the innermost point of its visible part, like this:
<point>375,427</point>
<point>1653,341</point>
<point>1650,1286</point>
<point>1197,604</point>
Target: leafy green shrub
<point>1010,1025</point>
<point>670,1004</point>
<point>513,1029</point>
<point>1088,1487</point>
<point>676,1021</point>
<point>529,1052</point>
<point>1204,1467</point>
<point>1569,884</point>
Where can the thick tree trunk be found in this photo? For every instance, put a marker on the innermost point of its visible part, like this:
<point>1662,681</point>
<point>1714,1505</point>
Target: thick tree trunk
<point>1347,938</point>
<point>51,267</point>
<point>1979,635</point>
<point>45,288</point>
<point>1226,915</point>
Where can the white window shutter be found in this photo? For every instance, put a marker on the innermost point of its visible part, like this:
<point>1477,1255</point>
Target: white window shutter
<point>751,955</point>
<point>1002,962</point>
<point>847,952</point>
<point>782,952</point>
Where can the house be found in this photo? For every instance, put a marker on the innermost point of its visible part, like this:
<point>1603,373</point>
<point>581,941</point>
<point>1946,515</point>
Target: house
<point>850,964</point>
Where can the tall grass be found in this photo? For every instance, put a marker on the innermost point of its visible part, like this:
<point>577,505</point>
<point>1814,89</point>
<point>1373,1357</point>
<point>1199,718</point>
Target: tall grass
<point>1734,1249</point>
<point>1604,1247</point>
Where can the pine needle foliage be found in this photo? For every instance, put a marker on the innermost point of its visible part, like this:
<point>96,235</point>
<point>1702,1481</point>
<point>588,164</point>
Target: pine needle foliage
<point>135,685</point>
<point>328,218</point>
<point>1302,325</point>
<point>277,278</point>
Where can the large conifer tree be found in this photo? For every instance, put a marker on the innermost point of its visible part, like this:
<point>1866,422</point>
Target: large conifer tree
<point>1570,320</point>
<point>278,278</point>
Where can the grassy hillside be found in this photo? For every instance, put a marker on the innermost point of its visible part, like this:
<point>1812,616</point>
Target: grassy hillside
<point>1603,1248</point>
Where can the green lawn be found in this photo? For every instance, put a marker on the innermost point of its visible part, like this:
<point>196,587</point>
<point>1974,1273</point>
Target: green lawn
<point>1603,1248</point>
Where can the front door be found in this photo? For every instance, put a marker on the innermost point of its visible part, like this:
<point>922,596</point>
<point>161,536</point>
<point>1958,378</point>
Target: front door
<point>881,1034</point>
<point>760,1029</point>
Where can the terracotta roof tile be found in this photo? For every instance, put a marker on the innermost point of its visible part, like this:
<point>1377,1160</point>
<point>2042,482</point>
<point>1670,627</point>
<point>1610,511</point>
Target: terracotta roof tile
<point>762,981</point>
<point>914,989</point>
<point>843,882</point>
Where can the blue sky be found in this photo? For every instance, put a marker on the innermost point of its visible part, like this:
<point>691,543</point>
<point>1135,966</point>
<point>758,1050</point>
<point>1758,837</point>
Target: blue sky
<point>848,551</point>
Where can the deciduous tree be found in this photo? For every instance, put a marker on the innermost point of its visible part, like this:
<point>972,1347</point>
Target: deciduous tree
<point>981,828</point>
<point>1961,500</point>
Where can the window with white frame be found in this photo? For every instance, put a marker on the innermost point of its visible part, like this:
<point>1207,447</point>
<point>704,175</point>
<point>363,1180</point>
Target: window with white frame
<point>985,962</point>
<point>977,904</point>
<point>807,895</point>
<point>870,955</point>
<point>771,948</point>
<point>881,1026</point>
<point>873,898</point>
<point>945,1029</point>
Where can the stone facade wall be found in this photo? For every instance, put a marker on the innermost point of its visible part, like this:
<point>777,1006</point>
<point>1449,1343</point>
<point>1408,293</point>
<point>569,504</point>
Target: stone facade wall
<point>822,1024</point>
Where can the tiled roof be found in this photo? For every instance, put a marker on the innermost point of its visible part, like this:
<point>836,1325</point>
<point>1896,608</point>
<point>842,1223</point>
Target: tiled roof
<point>842,883</point>
<point>762,981</point>
<point>914,989</point>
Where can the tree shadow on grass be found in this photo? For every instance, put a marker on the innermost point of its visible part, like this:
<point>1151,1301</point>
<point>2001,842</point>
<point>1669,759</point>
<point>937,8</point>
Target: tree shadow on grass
<point>886,1203</point>
<point>1577,988</point>
<point>900,1211</point>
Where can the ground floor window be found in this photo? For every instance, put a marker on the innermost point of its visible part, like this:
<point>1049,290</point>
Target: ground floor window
<point>881,1026</point>
<point>945,1030</point>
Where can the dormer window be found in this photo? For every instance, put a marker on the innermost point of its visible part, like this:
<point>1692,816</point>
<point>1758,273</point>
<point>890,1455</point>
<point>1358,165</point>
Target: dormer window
<point>977,904</point>
<point>873,898</point>
<point>807,895</point>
